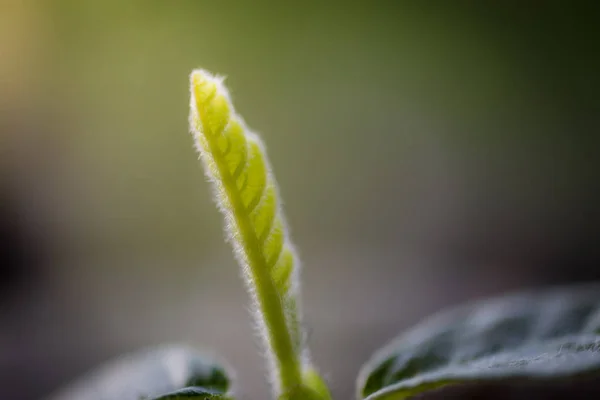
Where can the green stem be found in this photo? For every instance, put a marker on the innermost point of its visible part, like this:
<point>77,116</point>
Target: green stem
<point>267,296</point>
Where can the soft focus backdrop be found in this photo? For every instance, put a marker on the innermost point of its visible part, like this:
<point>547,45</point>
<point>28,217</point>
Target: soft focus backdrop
<point>427,155</point>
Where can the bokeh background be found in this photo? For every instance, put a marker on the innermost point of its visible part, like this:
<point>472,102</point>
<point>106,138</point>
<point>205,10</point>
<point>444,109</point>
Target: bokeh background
<point>428,154</point>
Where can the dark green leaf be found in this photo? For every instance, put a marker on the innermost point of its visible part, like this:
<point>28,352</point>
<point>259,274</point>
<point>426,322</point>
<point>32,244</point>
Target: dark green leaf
<point>532,336</point>
<point>147,375</point>
<point>193,393</point>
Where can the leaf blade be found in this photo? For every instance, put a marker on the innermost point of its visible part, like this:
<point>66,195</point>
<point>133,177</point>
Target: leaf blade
<point>530,335</point>
<point>236,162</point>
<point>194,393</point>
<point>148,374</point>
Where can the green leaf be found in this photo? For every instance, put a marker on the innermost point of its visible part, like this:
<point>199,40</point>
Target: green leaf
<point>536,336</point>
<point>235,161</point>
<point>154,374</point>
<point>194,393</point>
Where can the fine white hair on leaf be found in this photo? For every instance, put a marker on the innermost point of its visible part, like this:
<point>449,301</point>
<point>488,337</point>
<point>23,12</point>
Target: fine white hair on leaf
<point>246,193</point>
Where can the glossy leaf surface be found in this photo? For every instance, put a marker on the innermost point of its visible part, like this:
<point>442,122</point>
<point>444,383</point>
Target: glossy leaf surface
<point>529,336</point>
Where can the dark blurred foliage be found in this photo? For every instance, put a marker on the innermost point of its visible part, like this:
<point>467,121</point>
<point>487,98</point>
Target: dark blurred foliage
<point>443,150</point>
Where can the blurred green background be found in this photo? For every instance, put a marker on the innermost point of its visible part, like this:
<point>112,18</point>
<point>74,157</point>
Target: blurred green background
<point>427,152</point>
